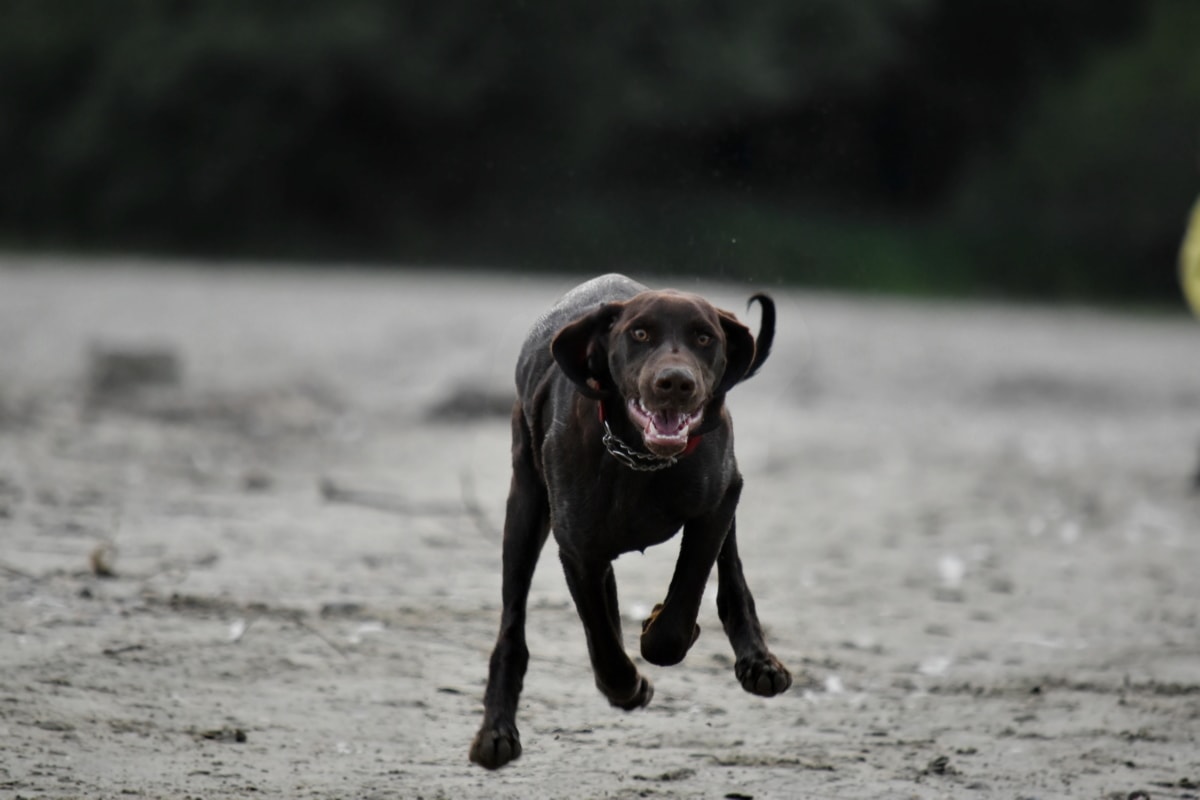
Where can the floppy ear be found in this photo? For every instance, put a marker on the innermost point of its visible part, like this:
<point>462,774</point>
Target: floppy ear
<point>739,351</point>
<point>580,349</point>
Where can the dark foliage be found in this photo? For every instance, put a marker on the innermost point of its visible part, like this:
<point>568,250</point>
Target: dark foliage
<point>880,143</point>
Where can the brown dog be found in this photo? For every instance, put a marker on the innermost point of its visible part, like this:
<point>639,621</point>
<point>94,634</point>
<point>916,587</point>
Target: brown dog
<point>620,438</point>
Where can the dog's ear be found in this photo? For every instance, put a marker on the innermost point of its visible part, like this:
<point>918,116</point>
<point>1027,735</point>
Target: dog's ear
<point>580,349</point>
<point>739,351</point>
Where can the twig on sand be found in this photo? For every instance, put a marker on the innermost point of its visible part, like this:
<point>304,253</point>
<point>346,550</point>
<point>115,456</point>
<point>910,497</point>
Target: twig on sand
<point>300,623</point>
<point>395,503</point>
<point>16,571</point>
<point>384,501</point>
<point>242,625</point>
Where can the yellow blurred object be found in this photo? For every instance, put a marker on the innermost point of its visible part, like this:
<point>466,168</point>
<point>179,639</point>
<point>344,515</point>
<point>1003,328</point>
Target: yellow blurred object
<point>1189,261</point>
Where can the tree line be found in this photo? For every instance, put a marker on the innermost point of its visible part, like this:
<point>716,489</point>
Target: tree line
<point>1030,147</point>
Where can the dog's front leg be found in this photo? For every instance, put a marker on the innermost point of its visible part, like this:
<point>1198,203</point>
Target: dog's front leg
<point>594,589</point>
<point>671,628</point>
<point>756,668</point>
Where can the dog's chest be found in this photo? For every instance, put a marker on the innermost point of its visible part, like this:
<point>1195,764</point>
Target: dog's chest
<point>632,511</point>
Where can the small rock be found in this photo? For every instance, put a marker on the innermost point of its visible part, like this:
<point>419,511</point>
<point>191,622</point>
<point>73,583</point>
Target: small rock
<point>341,609</point>
<point>1001,585</point>
<point>101,559</point>
<point>226,734</point>
<point>681,774</point>
<point>945,594</point>
<point>122,370</point>
<point>940,766</point>
<point>257,481</point>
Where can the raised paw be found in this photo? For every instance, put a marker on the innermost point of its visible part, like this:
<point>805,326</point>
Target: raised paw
<point>496,745</point>
<point>763,675</point>
<point>639,698</point>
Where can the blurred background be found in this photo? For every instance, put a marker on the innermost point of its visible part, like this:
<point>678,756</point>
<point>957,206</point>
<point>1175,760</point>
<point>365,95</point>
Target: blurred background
<point>1024,148</point>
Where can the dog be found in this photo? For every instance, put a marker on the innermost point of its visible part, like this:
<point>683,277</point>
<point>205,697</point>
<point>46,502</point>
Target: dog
<point>621,438</point>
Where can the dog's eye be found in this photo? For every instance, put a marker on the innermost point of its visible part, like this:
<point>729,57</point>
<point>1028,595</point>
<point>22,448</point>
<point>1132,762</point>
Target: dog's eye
<point>640,335</point>
<point>703,339</point>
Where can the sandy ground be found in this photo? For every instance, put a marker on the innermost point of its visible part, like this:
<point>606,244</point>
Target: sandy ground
<point>970,530</point>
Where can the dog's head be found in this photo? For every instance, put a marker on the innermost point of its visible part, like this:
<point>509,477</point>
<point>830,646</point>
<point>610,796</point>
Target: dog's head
<point>669,356</point>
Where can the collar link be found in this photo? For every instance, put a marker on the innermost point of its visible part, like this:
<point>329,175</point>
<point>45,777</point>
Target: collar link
<point>634,459</point>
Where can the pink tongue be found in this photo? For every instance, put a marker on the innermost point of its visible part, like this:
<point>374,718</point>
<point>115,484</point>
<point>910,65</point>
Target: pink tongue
<point>666,422</point>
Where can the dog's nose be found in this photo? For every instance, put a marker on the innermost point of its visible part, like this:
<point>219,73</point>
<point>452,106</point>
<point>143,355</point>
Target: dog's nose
<point>675,383</point>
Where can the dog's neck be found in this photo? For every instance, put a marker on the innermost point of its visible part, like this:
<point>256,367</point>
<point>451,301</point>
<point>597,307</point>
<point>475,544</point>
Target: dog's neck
<point>640,460</point>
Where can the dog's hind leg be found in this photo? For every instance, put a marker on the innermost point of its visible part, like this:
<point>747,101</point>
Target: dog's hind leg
<point>526,526</point>
<point>756,668</point>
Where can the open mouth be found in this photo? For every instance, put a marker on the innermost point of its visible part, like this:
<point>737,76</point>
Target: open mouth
<point>665,432</point>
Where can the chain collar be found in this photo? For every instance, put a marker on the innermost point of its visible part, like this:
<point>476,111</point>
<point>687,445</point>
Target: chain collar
<point>634,459</point>
<point>637,460</point>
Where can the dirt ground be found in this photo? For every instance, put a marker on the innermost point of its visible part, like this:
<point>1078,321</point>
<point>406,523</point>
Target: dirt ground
<point>250,549</point>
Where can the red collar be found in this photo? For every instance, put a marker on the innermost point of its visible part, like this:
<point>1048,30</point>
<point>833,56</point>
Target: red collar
<point>693,441</point>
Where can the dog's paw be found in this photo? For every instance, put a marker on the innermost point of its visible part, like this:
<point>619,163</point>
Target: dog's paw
<point>763,675</point>
<point>496,745</point>
<point>628,701</point>
<point>660,645</point>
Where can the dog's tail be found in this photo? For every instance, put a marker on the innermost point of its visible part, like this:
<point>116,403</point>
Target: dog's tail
<point>766,332</point>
